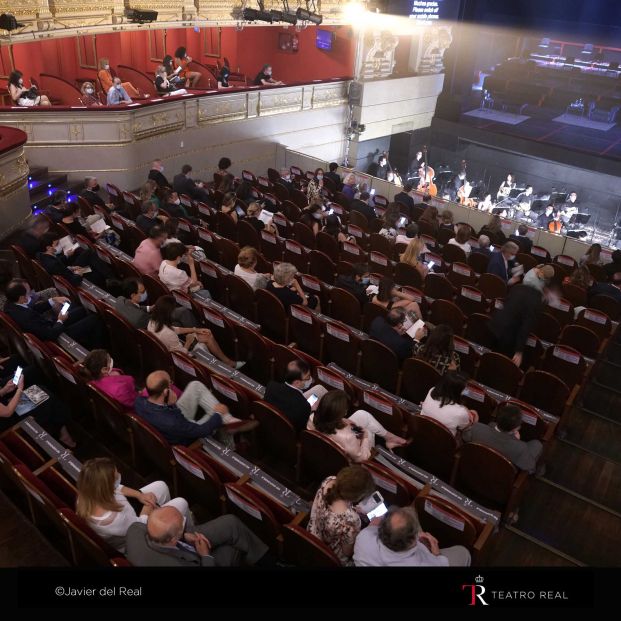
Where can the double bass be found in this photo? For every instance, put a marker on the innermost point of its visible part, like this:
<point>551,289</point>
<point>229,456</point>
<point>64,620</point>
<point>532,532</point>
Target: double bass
<point>426,184</point>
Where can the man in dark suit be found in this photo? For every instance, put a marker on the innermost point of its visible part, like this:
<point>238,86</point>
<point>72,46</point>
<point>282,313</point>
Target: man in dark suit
<point>511,325</point>
<point>91,194</point>
<point>173,208</point>
<point>611,289</point>
<point>88,330</point>
<point>223,542</point>
<point>30,240</point>
<point>362,206</point>
<point>184,184</point>
<point>285,179</point>
<point>522,239</point>
<point>356,282</point>
<point>288,396</point>
<point>405,197</point>
<point>156,174</point>
<point>56,209</point>
<point>334,176</point>
<point>503,435</point>
<point>390,331</point>
<point>502,263</point>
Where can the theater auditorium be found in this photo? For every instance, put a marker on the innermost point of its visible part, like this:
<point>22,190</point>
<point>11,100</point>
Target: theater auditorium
<point>310,285</point>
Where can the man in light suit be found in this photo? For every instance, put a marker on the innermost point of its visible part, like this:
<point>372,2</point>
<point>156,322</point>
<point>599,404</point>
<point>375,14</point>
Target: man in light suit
<point>223,542</point>
<point>501,263</point>
<point>504,437</point>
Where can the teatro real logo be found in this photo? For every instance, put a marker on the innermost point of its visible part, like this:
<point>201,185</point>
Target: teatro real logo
<point>476,591</point>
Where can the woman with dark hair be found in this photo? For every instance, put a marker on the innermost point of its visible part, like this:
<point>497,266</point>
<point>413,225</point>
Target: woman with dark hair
<point>356,434</point>
<point>430,217</point>
<point>161,325</point>
<point>493,229</point>
<point>334,518</point>
<point>223,166</point>
<point>182,60</point>
<point>388,297</point>
<point>437,349</point>
<point>462,238</point>
<point>312,217</point>
<point>229,203</point>
<point>244,191</point>
<point>70,222</point>
<point>98,369</point>
<point>443,403</point>
<point>23,96</point>
<point>171,73</point>
<point>333,228</point>
<point>226,184</point>
<point>315,185</point>
<point>390,221</point>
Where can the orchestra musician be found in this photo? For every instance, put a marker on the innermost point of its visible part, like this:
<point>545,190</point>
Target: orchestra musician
<point>463,195</point>
<point>426,184</point>
<point>546,217</point>
<point>556,224</point>
<point>569,208</point>
<point>416,164</point>
<point>525,200</point>
<point>505,187</point>
<point>486,204</point>
<point>456,183</point>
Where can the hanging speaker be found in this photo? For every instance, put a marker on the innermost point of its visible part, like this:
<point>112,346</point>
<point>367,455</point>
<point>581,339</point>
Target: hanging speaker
<point>355,93</point>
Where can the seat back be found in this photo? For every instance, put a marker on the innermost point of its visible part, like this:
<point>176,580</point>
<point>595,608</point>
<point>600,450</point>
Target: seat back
<point>155,288</point>
<point>492,286</point>
<point>271,246</point>
<point>498,371</point>
<point>433,446</point>
<point>406,274</point>
<point>228,250</point>
<point>154,354</point>
<point>272,316</point>
<point>320,457</point>
<point>341,346</point>
<point>121,332</point>
<point>386,412</point>
<point>321,266</point>
<point>582,339</point>
<point>419,377</point>
<point>303,549</point>
<point>14,337</point>
<point>345,307</point>
<point>306,330</point>
<point>596,321</point>
<point>247,235</point>
<point>380,365</point>
<point>240,296</point>
<point>25,266</point>
<point>438,287</point>
<point>564,362</point>
<point>446,312</point>
<point>477,330</point>
<point>256,350</point>
<point>276,434</point>
<point>87,547</point>
<point>607,305</point>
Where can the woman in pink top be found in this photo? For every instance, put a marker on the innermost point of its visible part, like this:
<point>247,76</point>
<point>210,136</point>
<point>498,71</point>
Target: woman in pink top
<point>356,434</point>
<point>99,370</point>
<point>148,257</point>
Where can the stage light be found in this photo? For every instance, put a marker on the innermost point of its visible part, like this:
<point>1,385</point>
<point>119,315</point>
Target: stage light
<point>307,16</point>
<point>140,16</point>
<point>282,16</point>
<point>8,22</point>
<point>254,15</point>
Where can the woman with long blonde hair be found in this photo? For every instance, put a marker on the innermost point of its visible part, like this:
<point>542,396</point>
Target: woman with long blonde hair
<point>102,501</point>
<point>411,255</point>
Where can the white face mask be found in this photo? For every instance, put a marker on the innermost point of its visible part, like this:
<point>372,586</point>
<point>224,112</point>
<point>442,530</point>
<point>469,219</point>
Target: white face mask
<point>143,297</point>
<point>58,250</point>
<point>110,364</point>
<point>177,201</point>
<point>307,383</point>
<point>107,67</point>
<point>319,177</point>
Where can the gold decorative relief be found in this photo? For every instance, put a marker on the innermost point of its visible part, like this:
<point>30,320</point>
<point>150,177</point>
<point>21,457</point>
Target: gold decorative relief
<point>279,103</point>
<point>124,132</point>
<point>215,110</point>
<point>76,132</point>
<point>21,165</point>
<point>329,96</point>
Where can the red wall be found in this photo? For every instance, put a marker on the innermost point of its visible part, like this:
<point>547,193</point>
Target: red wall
<point>246,50</point>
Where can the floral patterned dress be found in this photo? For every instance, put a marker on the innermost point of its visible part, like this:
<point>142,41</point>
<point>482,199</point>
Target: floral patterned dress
<point>337,530</point>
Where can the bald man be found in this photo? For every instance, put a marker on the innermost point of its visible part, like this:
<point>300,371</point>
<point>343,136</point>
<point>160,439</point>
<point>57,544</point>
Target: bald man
<point>223,542</point>
<point>175,417</point>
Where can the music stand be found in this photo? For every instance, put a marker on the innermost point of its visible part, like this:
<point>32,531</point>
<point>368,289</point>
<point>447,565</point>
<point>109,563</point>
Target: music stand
<point>515,192</point>
<point>579,218</point>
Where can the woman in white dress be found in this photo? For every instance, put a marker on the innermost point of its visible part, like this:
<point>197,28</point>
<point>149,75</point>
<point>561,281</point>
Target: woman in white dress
<point>102,501</point>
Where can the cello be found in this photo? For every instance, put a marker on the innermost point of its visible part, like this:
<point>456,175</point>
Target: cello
<point>426,184</point>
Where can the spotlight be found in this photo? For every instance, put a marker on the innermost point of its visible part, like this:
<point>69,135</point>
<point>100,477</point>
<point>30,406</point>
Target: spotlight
<point>307,16</point>
<point>282,16</point>
<point>8,22</point>
<point>253,15</point>
<point>140,16</point>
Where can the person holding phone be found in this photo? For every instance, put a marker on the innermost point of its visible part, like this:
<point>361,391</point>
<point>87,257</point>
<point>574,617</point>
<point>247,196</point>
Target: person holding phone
<point>354,434</point>
<point>334,519</point>
<point>174,277</point>
<point>438,350</point>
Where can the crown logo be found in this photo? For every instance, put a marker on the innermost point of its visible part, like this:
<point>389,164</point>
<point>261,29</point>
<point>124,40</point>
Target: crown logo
<point>479,579</point>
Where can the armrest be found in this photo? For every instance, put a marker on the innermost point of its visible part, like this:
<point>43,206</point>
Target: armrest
<point>483,538</point>
<point>48,464</point>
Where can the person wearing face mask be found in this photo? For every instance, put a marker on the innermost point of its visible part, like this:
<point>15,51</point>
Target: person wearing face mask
<point>315,186</point>
<point>24,96</point>
<point>502,263</point>
<point>172,206</point>
<point>285,179</point>
<point>103,501</point>
<point>91,194</point>
<point>356,282</point>
<point>89,98</point>
<point>290,396</point>
<point>164,86</point>
<point>149,217</point>
<point>312,217</point>
<point>117,94</point>
<point>106,77</point>
<point>264,77</point>
<point>157,174</point>
<point>539,277</point>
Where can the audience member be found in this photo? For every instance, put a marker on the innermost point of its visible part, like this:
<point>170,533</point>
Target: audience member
<point>163,85</point>
<point>334,519</point>
<point>398,541</point>
<point>22,96</point>
<point>175,418</point>
<point>493,229</point>
<point>411,232</point>
<point>88,330</point>
<point>182,60</point>
<point>361,205</point>
<point>184,184</point>
<point>98,369</point>
<point>56,209</point>
<point>223,542</point>
<point>253,217</point>
<point>411,256</point>
<point>173,277</point>
<point>156,173</point>
<point>291,396</point>
<point>503,263</point>
<point>503,436</point>
<point>522,239</point>
<point>592,256</point>
<point>102,501</point>
<point>245,268</point>
<point>349,188</point>
<point>614,266</point>
<point>389,297</point>
<point>54,261</point>
<point>148,256</point>
<point>390,331</point>
<point>91,194</point>
<point>356,282</point>
<point>356,434</point>
<point>539,277</point>
<point>71,223</point>
<point>229,206</point>
<point>312,217</point>
<point>334,228</point>
<point>287,289</point>
<point>405,197</point>
<point>461,239</point>
<point>117,94</point>
<point>264,77</point>
<point>447,220</point>
<point>511,325</point>
<point>106,77</point>
<point>438,350</point>
<point>430,218</point>
<point>315,186</point>
<point>285,179</point>
<point>443,403</point>
<point>484,246</point>
<point>391,221</point>
<point>333,175</point>
<point>30,240</point>
<point>89,97</point>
